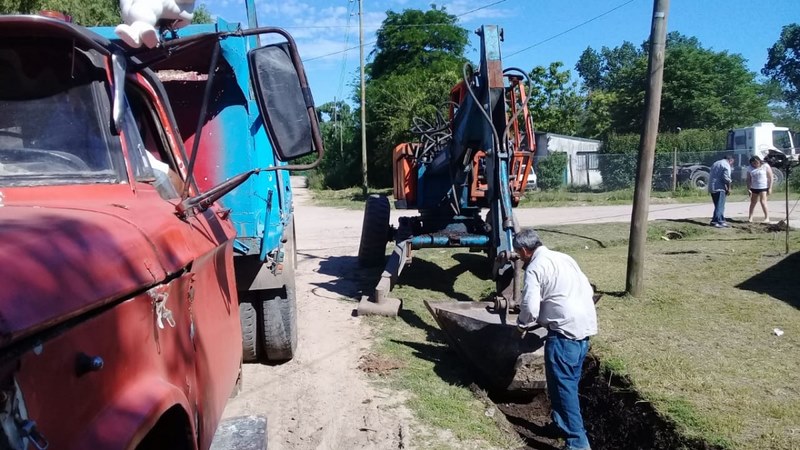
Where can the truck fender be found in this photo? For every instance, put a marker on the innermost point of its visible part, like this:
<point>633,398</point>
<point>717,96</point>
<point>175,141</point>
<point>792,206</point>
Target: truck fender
<point>125,422</point>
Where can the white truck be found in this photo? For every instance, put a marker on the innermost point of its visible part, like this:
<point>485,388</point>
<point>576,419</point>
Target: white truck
<point>758,140</point>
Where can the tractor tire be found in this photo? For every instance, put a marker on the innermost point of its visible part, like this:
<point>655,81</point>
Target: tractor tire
<point>249,320</point>
<point>279,313</point>
<point>374,231</point>
<point>699,179</point>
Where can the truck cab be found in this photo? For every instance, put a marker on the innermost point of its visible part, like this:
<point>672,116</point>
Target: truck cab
<point>119,313</point>
<point>760,138</point>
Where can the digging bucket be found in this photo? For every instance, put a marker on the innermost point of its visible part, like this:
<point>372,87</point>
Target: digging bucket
<point>505,359</point>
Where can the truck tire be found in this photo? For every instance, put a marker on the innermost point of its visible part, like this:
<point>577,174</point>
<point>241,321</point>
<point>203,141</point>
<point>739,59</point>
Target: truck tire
<point>374,231</point>
<point>249,320</point>
<point>778,177</point>
<point>699,179</point>
<point>279,332</point>
<point>279,313</point>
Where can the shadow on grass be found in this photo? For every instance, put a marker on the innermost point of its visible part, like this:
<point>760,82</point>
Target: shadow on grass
<point>423,274</point>
<point>447,363</point>
<point>779,281</point>
<point>699,222</point>
<point>600,243</point>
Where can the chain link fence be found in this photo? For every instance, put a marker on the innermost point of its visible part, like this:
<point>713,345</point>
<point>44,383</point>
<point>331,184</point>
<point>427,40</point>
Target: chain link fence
<point>602,172</point>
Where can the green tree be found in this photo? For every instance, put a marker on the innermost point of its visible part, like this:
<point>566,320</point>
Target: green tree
<point>417,59</point>
<point>702,88</point>
<point>84,12</point>
<point>783,64</point>
<point>88,13</point>
<point>202,14</point>
<point>416,39</point>
<point>341,165</point>
<point>555,103</point>
<point>599,70</point>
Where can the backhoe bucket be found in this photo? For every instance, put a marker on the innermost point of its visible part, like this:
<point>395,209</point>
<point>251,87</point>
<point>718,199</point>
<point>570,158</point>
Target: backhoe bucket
<point>507,361</point>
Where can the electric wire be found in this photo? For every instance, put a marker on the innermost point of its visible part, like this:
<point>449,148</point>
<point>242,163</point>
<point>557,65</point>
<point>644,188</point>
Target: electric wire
<point>395,26</point>
<point>570,29</point>
<point>344,55</point>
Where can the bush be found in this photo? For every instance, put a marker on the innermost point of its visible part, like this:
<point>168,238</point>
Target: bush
<point>794,180</point>
<point>551,171</point>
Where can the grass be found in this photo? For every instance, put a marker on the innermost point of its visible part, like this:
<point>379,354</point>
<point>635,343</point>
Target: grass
<point>699,344</point>
<point>352,198</point>
<point>434,375</point>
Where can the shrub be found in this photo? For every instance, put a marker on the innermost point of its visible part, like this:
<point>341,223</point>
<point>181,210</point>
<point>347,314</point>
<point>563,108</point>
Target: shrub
<point>551,171</point>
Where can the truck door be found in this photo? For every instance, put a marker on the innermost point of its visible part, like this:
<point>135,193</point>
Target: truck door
<point>205,255</point>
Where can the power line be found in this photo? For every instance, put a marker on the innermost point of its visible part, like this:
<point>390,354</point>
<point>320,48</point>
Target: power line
<point>344,55</point>
<point>480,8</point>
<point>399,26</point>
<point>571,29</point>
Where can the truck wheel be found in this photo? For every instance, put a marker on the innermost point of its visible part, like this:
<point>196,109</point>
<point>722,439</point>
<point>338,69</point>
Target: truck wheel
<point>374,231</point>
<point>778,177</point>
<point>279,314</point>
<point>279,335</point>
<point>699,179</point>
<point>249,320</point>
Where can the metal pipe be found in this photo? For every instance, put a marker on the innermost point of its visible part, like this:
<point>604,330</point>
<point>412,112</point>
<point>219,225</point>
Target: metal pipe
<point>441,240</point>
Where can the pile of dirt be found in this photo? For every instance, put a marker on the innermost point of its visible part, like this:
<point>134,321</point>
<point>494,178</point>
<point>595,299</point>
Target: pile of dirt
<point>379,365</point>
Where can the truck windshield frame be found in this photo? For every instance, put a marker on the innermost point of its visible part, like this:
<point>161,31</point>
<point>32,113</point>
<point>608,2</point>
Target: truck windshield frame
<point>54,126</point>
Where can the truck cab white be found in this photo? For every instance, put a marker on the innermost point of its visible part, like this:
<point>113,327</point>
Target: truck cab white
<point>759,139</point>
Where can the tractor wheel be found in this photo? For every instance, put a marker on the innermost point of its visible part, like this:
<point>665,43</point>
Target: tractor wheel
<point>699,179</point>
<point>374,231</point>
<point>279,313</point>
<point>249,320</point>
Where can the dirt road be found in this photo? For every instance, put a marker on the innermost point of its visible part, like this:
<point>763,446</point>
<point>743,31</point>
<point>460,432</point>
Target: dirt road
<point>321,400</point>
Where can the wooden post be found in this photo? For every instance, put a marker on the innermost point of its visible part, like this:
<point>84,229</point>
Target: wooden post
<point>586,166</point>
<point>634,282</point>
<point>569,164</point>
<point>786,174</point>
<point>365,182</point>
<point>674,168</point>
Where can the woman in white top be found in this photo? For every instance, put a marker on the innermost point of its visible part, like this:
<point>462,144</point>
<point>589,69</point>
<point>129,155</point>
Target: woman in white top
<point>759,182</point>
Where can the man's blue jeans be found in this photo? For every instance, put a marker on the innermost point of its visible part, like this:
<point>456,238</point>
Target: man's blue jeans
<point>563,364</point>
<point>719,207</point>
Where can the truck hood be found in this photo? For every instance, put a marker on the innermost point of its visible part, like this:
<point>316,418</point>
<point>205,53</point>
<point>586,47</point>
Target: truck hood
<point>57,263</point>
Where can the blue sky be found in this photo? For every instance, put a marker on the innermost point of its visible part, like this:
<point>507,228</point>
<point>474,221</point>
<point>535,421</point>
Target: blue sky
<point>537,32</point>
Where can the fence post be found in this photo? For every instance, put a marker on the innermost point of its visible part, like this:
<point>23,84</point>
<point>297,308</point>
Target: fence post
<point>674,168</point>
<point>571,179</point>
<point>588,168</point>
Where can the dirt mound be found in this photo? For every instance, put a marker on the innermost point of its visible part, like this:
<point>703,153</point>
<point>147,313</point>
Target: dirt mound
<point>379,365</point>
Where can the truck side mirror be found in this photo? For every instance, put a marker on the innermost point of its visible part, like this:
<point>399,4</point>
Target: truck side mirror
<point>284,99</point>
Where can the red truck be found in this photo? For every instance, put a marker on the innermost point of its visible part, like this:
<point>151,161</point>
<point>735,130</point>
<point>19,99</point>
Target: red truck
<point>119,316</point>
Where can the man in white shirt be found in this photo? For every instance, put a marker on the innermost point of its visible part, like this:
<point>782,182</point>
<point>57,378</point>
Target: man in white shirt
<point>558,296</point>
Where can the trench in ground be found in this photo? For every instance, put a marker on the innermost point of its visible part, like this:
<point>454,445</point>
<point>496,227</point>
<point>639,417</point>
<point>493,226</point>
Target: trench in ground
<point>614,414</point>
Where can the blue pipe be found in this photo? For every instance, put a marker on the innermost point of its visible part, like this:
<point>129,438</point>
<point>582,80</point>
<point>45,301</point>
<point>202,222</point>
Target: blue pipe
<point>440,240</point>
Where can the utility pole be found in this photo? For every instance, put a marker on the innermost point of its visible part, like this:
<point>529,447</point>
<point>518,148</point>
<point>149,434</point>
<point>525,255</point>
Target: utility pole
<point>634,282</point>
<point>364,184</point>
